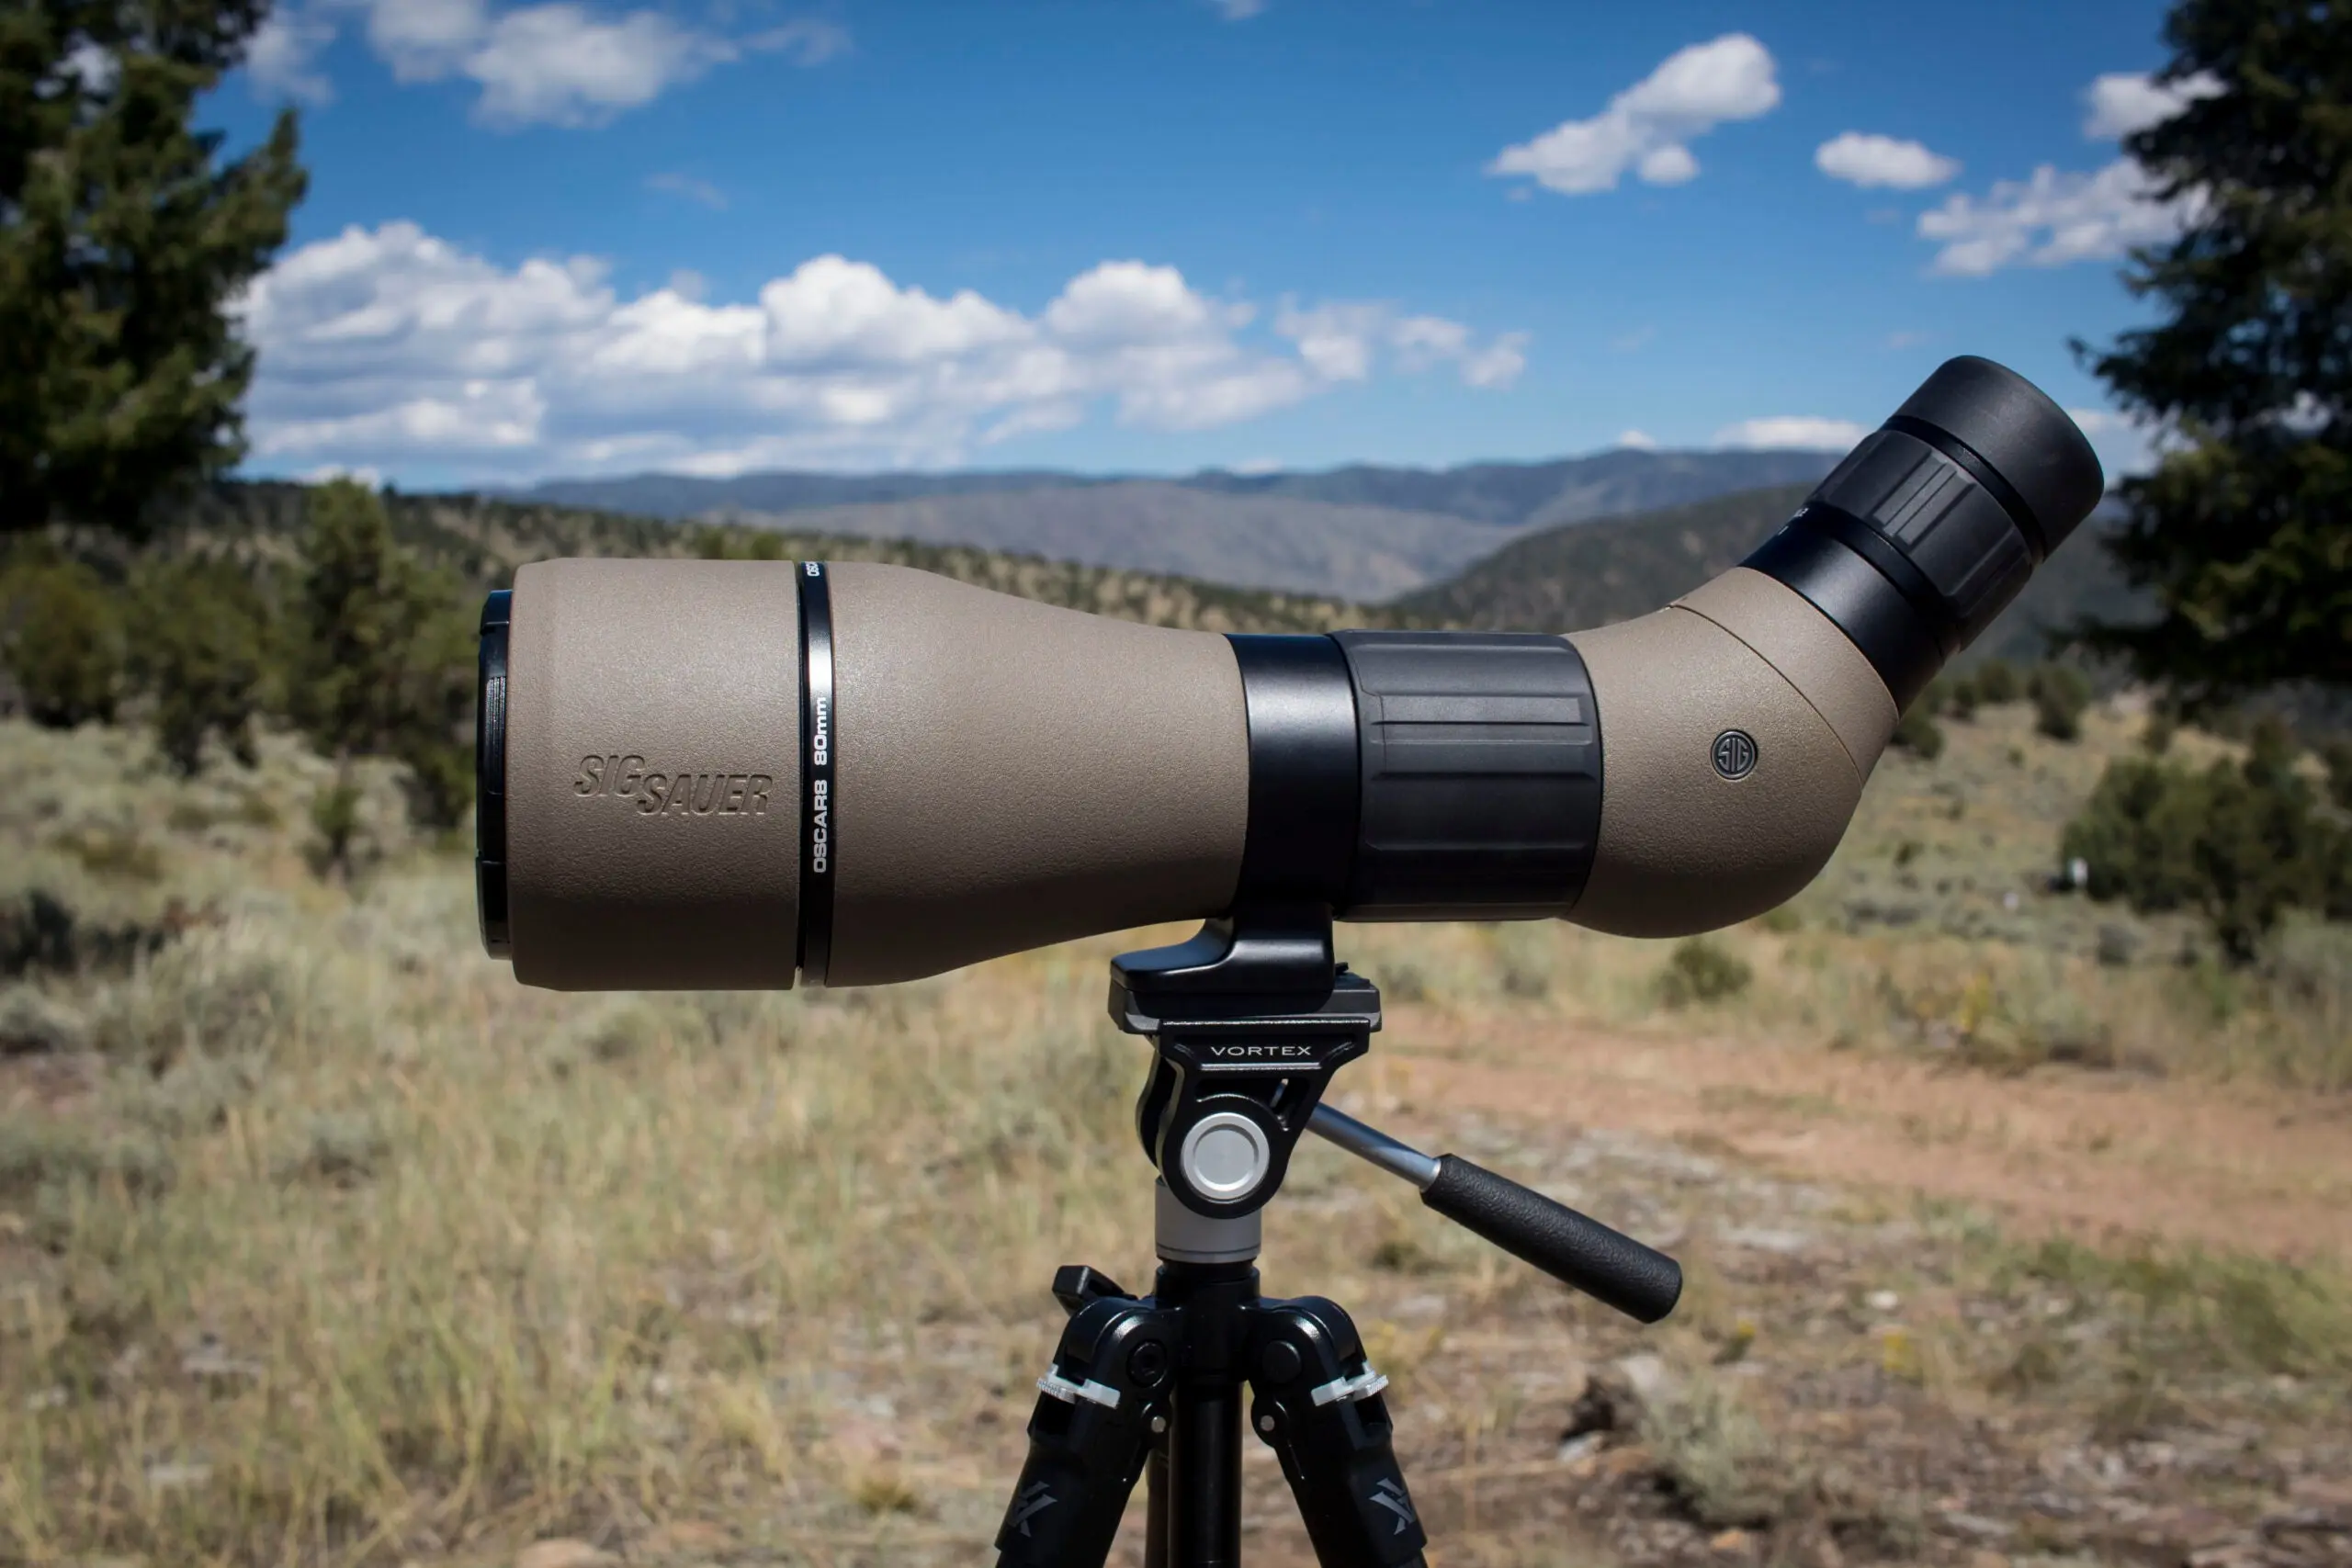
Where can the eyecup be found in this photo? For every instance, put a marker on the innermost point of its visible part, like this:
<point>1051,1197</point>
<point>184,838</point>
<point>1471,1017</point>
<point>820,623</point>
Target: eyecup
<point>2018,433</point>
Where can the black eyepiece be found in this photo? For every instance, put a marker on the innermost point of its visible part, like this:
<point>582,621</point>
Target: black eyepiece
<point>1933,524</point>
<point>2022,438</point>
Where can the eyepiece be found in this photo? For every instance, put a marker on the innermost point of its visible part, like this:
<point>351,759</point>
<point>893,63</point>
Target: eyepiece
<point>2009,425</point>
<point>1933,524</point>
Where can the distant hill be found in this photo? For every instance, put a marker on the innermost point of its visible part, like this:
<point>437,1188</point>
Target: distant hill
<point>1364,532</point>
<point>1561,579</point>
<point>1363,553</point>
<point>1539,495</point>
<point>1589,575</point>
<point>484,539</point>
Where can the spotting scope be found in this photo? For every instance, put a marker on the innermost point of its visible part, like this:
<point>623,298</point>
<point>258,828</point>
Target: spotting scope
<point>749,773</point>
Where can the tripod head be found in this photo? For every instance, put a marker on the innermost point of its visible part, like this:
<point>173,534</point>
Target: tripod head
<point>1248,1020</point>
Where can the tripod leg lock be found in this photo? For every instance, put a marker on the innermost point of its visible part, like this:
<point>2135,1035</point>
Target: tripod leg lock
<point>1319,1405</point>
<point>1101,1407</point>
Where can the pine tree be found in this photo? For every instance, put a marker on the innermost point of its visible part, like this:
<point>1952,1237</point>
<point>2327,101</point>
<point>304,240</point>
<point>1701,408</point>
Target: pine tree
<point>201,656</point>
<point>380,653</point>
<point>123,238</point>
<point>2244,532</point>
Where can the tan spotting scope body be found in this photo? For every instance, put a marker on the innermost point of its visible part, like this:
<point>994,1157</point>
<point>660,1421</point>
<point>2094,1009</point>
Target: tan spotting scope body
<point>745,774</point>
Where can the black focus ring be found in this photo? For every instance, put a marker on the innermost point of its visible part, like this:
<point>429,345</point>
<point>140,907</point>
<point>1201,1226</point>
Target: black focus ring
<point>1988,478</point>
<point>817,798</point>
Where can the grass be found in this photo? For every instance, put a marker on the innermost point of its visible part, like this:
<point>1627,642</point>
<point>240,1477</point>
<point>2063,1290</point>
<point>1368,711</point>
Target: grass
<point>338,1247</point>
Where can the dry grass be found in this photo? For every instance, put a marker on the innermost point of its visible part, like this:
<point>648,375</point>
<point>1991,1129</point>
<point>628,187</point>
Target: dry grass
<point>330,1244</point>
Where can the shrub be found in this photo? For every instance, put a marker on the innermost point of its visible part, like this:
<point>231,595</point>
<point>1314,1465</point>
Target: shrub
<point>2060,695</point>
<point>60,637</point>
<point>1702,971</point>
<point>2337,755</point>
<point>2240,843</point>
<point>202,655</point>
<point>1918,733</point>
<point>1996,682</point>
<point>383,655</point>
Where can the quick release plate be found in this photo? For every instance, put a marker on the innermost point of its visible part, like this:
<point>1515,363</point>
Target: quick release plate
<point>1248,1021</point>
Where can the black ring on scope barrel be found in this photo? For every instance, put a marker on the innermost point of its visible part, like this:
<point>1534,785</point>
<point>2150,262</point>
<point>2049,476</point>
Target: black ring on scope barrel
<point>817,799</point>
<point>490,777</point>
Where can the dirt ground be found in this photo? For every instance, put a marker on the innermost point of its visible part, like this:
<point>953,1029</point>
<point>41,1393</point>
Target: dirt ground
<point>2093,1154</point>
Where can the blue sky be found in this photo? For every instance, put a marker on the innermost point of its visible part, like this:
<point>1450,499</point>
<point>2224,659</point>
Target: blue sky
<point>1165,234</point>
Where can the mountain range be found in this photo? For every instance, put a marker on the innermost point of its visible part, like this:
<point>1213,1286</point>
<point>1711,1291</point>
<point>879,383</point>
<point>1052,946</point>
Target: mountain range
<point>1367,532</point>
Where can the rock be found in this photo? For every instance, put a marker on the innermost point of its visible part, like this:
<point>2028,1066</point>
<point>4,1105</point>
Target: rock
<point>1614,1397</point>
<point>563,1552</point>
<point>33,1026</point>
<point>1884,1301</point>
<point>175,1476</point>
<point>1577,1448</point>
<point>692,1538</point>
<point>1648,1376</point>
<point>1978,1526</point>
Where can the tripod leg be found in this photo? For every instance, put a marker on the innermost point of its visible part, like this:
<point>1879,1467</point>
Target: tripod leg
<point>1318,1406</point>
<point>1155,1509</point>
<point>1100,1408</point>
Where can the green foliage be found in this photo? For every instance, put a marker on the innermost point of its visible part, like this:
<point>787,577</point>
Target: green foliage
<point>2060,695</point>
<point>202,656</point>
<point>2242,533</point>
<point>62,639</point>
<point>1917,732</point>
<point>334,817</point>
<point>2337,755</point>
<point>122,237</point>
<point>1702,971</point>
<point>1994,682</point>
<point>381,651</point>
<point>2242,843</point>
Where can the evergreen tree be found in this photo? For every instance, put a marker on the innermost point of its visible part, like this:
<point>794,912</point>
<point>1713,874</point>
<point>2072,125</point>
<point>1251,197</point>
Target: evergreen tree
<point>62,640</point>
<point>2244,532</point>
<point>380,653</point>
<point>202,655</point>
<point>123,237</point>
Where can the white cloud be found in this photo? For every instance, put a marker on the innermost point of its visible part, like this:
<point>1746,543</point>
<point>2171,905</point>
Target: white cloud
<point>389,347</point>
<point>687,185</point>
<point>1639,440</point>
<point>1647,127</point>
<point>2054,215</point>
<point>807,41</point>
<point>2052,218</point>
<point>281,55</point>
<point>422,40</point>
<point>557,64</point>
<point>2123,101</point>
<point>1342,343</point>
<point>554,64</point>
<point>1792,429</point>
<point>1867,159</point>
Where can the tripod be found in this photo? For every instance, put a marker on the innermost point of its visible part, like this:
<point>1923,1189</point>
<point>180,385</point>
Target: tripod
<point>1248,1021</point>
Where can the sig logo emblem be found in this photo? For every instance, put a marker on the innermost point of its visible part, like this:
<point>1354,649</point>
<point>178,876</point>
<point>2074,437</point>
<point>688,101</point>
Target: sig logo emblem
<point>1735,754</point>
